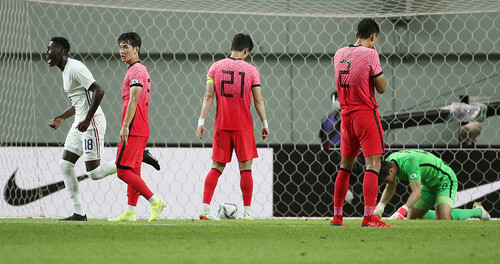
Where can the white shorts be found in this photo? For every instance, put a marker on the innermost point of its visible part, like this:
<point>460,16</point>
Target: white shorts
<point>90,143</point>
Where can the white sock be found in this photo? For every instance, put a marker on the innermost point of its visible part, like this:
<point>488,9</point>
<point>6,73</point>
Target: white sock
<point>247,209</point>
<point>68,171</point>
<point>102,171</point>
<point>206,207</point>
<point>130,208</point>
<point>152,199</point>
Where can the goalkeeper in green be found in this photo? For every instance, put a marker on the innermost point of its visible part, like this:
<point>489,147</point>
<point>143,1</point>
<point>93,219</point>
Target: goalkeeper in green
<point>432,184</point>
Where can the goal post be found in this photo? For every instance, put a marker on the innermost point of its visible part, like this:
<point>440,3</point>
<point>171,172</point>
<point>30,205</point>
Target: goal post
<point>432,53</point>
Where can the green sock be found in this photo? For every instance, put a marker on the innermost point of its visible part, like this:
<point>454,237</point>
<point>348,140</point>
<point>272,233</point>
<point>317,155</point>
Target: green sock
<point>456,214</point>
<point>430,215</point>
<point>463,214</point>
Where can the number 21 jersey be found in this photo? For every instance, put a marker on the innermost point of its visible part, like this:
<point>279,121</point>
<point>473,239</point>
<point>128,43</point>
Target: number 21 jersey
<point>233,83</point>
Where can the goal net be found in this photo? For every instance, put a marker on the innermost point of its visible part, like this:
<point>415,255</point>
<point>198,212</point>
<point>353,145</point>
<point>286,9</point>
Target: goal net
<point>434,54</point>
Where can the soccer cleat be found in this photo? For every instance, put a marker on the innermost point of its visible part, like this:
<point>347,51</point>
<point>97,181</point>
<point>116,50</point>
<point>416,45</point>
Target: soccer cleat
<point>485,216</point>
<point>204,215</point>
<point>150,159</point>
<point>247,216</point>
<point>372,221</point>
<point>128,216</point>
<point>75,217</point>
<point>156,208</point>
<point>338,220</point>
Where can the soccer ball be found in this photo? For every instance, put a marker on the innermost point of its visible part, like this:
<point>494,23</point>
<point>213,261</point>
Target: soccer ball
<point>228,211</point>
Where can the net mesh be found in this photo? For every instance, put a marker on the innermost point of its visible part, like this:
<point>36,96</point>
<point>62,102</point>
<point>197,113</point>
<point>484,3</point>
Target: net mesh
<point>433,53</point>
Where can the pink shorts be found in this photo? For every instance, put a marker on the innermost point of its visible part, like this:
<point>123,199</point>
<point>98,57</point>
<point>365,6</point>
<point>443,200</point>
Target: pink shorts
<point>131,154</point>
<point>361,129</point>
<point>224,141</point>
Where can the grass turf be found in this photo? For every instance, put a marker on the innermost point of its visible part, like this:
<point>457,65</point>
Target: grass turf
<point>239,241</point>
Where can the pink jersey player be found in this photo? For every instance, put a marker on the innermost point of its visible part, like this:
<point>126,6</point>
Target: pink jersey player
<point>233,82</point>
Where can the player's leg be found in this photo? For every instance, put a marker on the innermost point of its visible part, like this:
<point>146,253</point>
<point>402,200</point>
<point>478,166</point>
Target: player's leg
<point>368,129</point>
<point>222,151</point>
<point>246,185</point>
<point>72,152</point>
<point>460,214</point>
<point>129,157</point>
<point>133,198</point>
<point>445,195</point>
<point>349,150</point>
<point>246,151</point>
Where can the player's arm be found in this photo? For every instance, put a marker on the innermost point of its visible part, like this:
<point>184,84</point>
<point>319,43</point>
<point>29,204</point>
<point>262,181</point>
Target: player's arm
<point>135,93</point>
<point>58,120</point>
<point>414,196</point>
<point>98,94</point>
<point>258,101</point>
<point>208,100</point>
<point>387,194</point>
<point>380,83</point>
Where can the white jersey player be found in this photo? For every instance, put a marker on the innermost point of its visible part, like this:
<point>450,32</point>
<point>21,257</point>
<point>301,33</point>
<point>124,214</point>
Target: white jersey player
<point>86,135</point>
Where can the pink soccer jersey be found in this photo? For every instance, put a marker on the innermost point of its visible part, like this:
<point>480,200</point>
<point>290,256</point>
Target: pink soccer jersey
<point>137,75</point>
<point>355,67</point>
<point>233,82</point>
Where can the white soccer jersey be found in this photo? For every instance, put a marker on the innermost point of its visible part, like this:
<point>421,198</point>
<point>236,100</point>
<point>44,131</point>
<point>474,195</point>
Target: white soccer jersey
<point>76,81</point>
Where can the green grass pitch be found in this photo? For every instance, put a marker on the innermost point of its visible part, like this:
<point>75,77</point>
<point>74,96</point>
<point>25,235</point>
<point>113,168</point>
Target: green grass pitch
<point>239,241</point>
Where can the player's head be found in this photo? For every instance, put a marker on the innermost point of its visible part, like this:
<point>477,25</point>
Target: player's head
<point>57,49</point>
<point>368,31</point>
<point>130,46</point>
<point>367,27</point>
<point>387,173</point>
<point>242,43</point>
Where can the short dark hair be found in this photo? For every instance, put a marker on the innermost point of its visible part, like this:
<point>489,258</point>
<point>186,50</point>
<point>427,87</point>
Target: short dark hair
<point>62,43</point>
<point>241,42</point>
<point>385,166</point>
<point>367,27</point>
<point>131,38</point>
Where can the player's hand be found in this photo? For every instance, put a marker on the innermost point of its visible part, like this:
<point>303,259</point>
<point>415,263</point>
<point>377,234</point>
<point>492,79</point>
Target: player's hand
<point>200,131</point>
<point>400,213</point>
<point>56,122</point>
<point>265,133</point>
<point>124,135</point>
<point>83,125</point>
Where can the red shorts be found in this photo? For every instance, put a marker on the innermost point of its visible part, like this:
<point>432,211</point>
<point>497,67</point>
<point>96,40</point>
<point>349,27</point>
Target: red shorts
<point>224,141</point>
<point>361,129</point>
<point>130,155</point>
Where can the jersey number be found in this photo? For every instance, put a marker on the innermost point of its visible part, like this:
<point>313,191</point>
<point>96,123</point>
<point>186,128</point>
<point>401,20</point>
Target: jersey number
<point>222,83</point>
<point>88,144</point>
<point>348,62</point>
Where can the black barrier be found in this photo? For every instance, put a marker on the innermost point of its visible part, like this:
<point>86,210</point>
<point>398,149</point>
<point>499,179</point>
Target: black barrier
<point>304,176</point>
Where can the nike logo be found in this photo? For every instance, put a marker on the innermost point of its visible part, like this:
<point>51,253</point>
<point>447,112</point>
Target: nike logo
<point>17,196</point>
<point>472,194</point>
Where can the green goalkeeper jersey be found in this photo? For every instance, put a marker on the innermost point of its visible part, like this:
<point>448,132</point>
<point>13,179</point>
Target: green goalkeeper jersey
<point>421,165</point>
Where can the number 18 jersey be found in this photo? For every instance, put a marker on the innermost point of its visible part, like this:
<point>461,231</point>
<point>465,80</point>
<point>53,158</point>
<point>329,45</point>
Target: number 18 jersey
<point>233,83</point>
<point>355,67</point>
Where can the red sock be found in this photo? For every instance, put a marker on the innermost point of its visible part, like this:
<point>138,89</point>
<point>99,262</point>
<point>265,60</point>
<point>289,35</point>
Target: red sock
<point>246,185</point>
<point>135,182</point>
<point>370,190</point>
<point>210,184</point>
<point>132,195</point>
<point>341,187</point>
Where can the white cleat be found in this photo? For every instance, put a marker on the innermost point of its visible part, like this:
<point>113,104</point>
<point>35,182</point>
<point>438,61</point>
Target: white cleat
<point>204,215</point>
<point>247,216</point>
<point>485,216</point>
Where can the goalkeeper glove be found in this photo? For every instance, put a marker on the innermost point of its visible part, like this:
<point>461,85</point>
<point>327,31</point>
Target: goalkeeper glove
<point>400,213</point>
<point>379,209</point>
